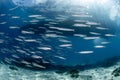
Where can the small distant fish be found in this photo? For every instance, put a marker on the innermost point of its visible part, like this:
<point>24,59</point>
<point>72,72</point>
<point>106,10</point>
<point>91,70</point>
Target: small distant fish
<point>89,38</point>
<point>22,37</point>
<point>80,35</point>
<point>13,8</point>
<point>99,46</point>
<point>25,62</point>
<point>1,41</point>
<point>81,15</point>
<point>86,52</point>
<point>36,57</point>
<point>21,51</point>
<point>80,21</point>
<point>1,33</point>
<point>53,23</point>
<point>80,25</point>
<point>110,35</point>
<point>14,27</point>
<point>15,56</point>
<point>18,39</point>
<point>44,48</point>
<point>65,29</point>
<point>65,41</point>
<point>3,22</point>
<point>34,16</point>
<point>15,17</point>
<point>48,19</point>
<point>37,65</point>
<point>61,18</point>
<point>101,28</point>
<point>34,21</point>
<point>94,33</point>
<point>62,29</point>
<point>51,35</point>
<point>7,60</point>
<point>60,57</point>
<point>27,32</point>
<point>105,42</point>
<point>30,40</point>
<point>2,14</point>
<point>65,45</point>
<point>92,23</point>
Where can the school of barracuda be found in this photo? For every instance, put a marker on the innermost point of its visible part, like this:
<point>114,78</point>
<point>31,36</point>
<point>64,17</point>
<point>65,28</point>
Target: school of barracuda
<point>42,39</point>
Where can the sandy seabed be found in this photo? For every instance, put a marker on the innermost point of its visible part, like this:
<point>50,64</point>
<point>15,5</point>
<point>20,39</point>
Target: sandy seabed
<point>15,73</point>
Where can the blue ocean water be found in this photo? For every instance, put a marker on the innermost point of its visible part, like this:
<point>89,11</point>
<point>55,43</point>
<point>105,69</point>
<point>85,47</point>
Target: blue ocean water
<point>38,32</point>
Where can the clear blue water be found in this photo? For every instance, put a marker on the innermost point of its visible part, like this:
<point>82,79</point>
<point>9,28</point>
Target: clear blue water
<point>59,32</point>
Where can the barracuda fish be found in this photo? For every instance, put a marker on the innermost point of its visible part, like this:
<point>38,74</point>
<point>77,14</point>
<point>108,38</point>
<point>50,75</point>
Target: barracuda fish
<point>70,28</point>
<point>35,49</point>
<point>60,30</point>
